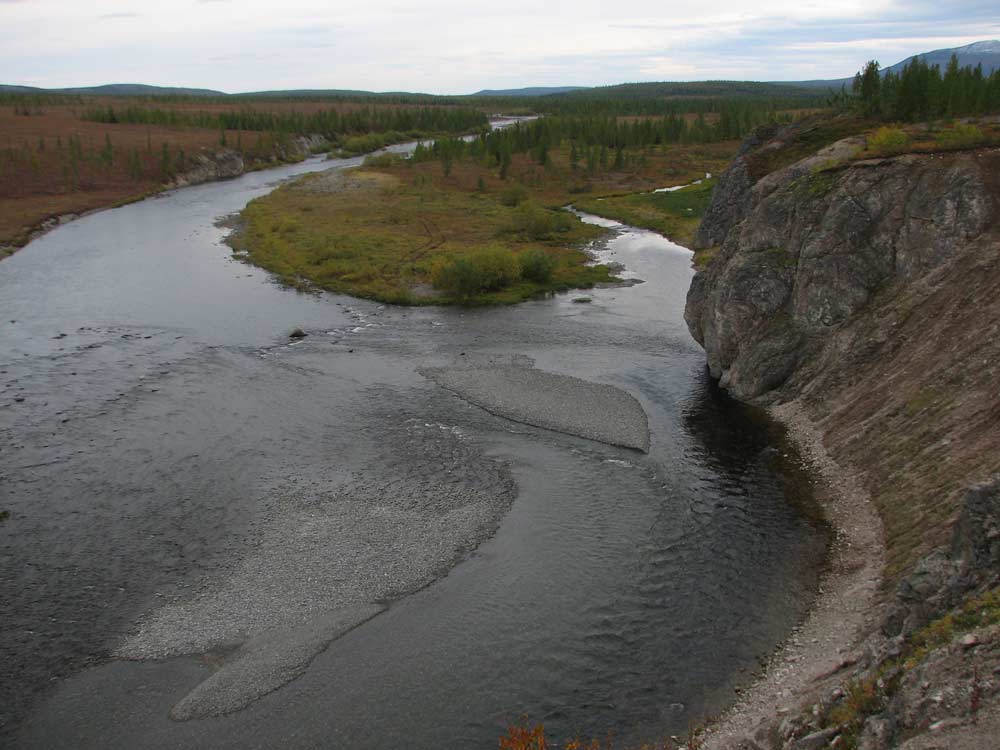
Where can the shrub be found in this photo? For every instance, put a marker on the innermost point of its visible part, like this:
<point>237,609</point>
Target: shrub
<point>888,140</point>
<point>536,265</point>
<point>362,144</point>
<point>483,269</point>
<point>537,223</point>
<point>962,135</point>
<point>387,159</point>
<point>513,195</point>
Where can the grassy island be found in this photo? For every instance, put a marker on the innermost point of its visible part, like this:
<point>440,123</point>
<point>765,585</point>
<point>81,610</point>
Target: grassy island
<point>374,233</point>
<point>454,228</point>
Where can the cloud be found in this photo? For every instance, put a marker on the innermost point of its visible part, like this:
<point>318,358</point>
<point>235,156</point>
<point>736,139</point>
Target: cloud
<point>445,46</point>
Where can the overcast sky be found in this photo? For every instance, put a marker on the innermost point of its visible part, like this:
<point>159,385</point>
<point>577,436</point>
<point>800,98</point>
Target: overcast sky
<point>443,46</point>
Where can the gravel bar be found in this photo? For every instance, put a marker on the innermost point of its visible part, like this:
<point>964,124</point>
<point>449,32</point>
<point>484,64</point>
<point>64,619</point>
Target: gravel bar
<point>331,554</point>
<point>555,402</point>
<point>267,662</point>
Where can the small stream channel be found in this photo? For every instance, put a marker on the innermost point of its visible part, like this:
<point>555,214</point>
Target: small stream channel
<point>152,409</point>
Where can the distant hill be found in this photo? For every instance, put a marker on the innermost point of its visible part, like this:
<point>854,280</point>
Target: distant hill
<point>324,93</point>
<point>985,53</point>
<point>114,89</point>
<point>624,90</point>
<point>8,89</point>
<point>140,89</point>
<point>530,91</point>
<point>666,89</point>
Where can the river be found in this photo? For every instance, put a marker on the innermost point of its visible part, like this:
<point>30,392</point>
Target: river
<point>154,414</point>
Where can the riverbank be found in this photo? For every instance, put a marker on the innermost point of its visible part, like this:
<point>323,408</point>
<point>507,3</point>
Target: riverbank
<point>901,386</point>
<point>674,212</point>
<point>809,664</point>
<point>209,165</point>
<point>70,156</point>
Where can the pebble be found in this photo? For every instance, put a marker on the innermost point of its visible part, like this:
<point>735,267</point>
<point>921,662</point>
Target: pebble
<point>970,641</point>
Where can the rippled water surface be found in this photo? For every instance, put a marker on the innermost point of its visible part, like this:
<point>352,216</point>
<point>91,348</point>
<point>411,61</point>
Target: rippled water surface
<point>151,408</point>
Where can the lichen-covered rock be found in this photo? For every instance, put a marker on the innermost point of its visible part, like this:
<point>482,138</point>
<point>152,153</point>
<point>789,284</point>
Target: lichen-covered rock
<point>944,578</point>
<point>223,164</point>
<point>877,734</point>
<point>730,196</point>
<point>808,246</point>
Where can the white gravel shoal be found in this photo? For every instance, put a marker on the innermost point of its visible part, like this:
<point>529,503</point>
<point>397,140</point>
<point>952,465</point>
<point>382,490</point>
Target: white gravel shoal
<point>555,402</point>
<point>267,662</point>
<point>329,554</point>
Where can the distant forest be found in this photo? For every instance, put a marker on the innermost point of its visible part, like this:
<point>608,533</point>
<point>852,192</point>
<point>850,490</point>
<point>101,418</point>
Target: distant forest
<point>599,142</point>
<point>327,122</point>
<point>921,91</point>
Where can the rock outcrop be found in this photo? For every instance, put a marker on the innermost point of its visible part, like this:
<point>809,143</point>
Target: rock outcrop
<point>803,249</point>
<point>865,294</point>
<point>930,679</point>
<point>946,577</point>
<point>225,163</point>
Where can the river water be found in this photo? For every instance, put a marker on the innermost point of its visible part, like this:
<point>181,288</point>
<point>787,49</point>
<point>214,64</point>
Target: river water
<point>152,407</point>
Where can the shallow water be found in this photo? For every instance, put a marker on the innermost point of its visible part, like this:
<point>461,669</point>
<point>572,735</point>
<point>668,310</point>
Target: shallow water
<point>164,411</point>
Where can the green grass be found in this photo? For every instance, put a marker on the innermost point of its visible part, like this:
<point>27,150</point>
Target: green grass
<point>675,215</point>
<point>962,135</point>
<point>703,258</point>
<point>976,613</point>
<point>394,236</point>
<point>888,141</point>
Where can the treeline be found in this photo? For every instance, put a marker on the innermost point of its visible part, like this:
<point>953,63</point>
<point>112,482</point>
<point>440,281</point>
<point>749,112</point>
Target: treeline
<point>327,122</point>
<point>645,99</point>
<point>597,143</point>
<point>31,101</point>
<point>921,91</point>
<point>641,99</point>
<point>733,121</point>
<point>663,99</point>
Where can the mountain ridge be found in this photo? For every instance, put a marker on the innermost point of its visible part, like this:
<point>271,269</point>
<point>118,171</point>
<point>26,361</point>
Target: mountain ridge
<point>985,52</point>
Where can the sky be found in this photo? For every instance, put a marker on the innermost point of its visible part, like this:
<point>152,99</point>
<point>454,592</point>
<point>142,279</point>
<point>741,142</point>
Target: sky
<point>448,47</point>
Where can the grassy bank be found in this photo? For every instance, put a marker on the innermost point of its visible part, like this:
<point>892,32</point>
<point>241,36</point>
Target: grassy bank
<point>71,155</point>
<point>674,214</point>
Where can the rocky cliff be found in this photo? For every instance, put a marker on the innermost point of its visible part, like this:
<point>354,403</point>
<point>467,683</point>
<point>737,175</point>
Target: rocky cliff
<point>866,294</point>
<point>807,247</point>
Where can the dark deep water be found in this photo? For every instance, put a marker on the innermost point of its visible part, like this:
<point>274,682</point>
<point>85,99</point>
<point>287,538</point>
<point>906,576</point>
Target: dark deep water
<point>150,404</point>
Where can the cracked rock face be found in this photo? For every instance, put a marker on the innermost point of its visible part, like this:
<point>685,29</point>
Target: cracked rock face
<point>942,579</point>
<point>808,246</point>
